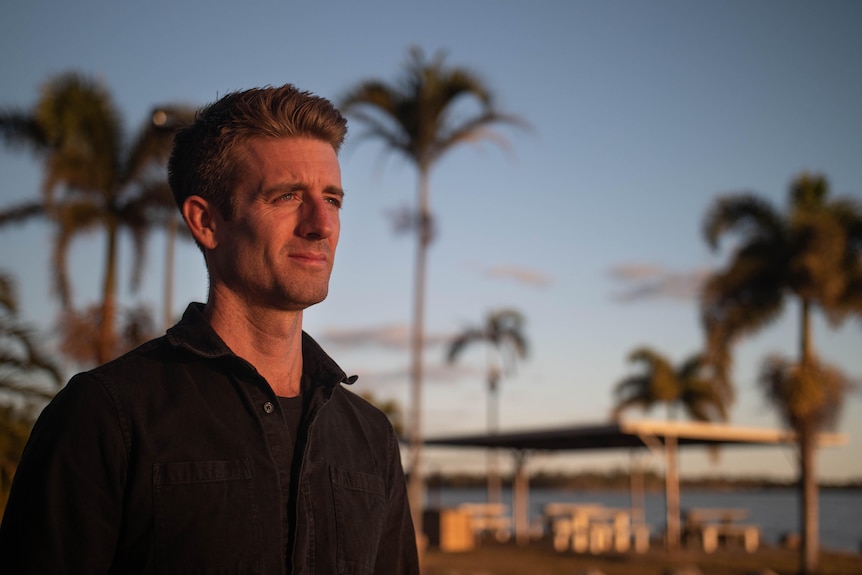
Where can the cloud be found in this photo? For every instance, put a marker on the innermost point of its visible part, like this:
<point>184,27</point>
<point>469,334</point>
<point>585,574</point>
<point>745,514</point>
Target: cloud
<point>436,372</point>
<point>393,336</point>
<point>647,281</point>
<point>518,274</point>
<point>627,272</point>
<point>387,336</point>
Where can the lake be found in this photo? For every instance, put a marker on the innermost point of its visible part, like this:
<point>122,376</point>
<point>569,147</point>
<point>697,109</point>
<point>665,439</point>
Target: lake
<point>776,511</point>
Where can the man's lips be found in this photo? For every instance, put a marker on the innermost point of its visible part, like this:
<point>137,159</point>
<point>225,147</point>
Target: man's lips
<point>310,258</point>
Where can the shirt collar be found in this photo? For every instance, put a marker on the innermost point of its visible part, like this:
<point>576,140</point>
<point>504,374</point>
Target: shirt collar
<point>195,333</point>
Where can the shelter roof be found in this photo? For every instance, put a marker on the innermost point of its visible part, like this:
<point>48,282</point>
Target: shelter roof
<point>629,434</point>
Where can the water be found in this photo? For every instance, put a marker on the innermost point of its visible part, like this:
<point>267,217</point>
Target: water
<point>776,511</point>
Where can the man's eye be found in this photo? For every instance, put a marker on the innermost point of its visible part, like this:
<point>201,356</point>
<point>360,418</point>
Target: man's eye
<point>334,201</point>
<point>287,197</point>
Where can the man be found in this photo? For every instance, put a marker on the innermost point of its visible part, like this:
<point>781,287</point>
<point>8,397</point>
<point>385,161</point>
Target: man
<point>229,445</point>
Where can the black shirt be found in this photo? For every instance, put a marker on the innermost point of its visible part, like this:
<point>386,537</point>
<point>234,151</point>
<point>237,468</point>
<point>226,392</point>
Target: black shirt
<point>176,458</point>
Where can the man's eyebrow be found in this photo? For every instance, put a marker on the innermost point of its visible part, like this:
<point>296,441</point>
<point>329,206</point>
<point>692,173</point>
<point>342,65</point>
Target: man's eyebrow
<point>281,188</point>
<point>299,187</point>
<point>334,190</point>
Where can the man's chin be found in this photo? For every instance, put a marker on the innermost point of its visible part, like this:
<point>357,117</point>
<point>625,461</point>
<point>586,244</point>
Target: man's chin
<point>300,302</point>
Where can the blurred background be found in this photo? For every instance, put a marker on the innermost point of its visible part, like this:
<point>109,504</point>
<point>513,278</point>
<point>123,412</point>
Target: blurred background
<point>589,223</point>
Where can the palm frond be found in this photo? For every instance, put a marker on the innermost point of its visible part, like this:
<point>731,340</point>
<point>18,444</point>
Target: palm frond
<point>22,362</point>
<point>459,343</point>
<point>808,193</point>
<point>21,213</point>
<point>84,131</point>
<point>8,295</point>
<point>154,140</point>
<point>808,395</point>
<point>693,384</point>
<point>618,409</point>
<point>746,214</point>
<point>20,129</point>
<point>413,115</point>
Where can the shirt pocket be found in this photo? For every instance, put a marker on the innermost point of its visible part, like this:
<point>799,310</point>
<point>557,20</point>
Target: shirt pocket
<point>360,504</point>
<point>206,518</point>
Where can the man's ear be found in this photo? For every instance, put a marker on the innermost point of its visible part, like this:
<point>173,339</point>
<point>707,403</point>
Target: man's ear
<point>202,218</point>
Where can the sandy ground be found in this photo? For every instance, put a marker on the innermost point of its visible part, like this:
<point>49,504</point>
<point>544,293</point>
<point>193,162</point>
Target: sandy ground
<point>539,558</point>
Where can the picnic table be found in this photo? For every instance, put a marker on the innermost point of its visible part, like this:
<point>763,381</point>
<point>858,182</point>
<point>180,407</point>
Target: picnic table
<point>594,528</point>
<point>489,519</point>
<point>711,526</point>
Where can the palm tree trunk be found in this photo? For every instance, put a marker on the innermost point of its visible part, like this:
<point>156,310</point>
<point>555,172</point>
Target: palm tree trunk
<point>416,484</point>
<point>105,345</point>
<point>807,437</point>
<point>805,349</point>
<point>636,488</point>
<point>671,482</point>
<point>810,548</point>
<point>520,499</point>
<point>495,484</point>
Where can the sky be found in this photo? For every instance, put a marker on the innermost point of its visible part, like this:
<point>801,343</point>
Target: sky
<point>641,114</point>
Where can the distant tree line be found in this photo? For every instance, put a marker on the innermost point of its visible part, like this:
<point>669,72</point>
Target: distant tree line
<point>620,480</point>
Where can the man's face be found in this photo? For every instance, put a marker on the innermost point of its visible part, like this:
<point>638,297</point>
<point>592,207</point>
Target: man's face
<point>277,250</point>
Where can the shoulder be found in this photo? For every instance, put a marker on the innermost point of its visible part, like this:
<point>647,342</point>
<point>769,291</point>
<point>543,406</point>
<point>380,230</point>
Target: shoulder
<point>364,408</point>
<point>83,419</point>
<point>93,392</point>
<point>115,389</point>
<point>138,361</point>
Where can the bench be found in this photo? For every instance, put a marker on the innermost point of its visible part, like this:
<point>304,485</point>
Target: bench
<point>710,527</point>
<point>595,529</point>
<point>489,519</point>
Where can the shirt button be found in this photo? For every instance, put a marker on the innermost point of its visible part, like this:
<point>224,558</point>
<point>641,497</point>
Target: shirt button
<point>268,407</point>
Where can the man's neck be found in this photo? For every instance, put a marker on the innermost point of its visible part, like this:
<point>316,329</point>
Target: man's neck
<point>269,340</point>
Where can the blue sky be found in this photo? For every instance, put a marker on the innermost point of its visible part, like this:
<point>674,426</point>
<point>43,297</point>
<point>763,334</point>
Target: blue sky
<point>642,113</point>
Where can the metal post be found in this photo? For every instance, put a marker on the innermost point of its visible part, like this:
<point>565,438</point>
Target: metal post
<point>671,480</point>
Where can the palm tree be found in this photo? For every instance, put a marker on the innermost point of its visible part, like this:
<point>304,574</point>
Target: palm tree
<point>692,385</point>
<point>93,179</point>
<point>79,332</point>
<point>414,117</point>
<point>15,425</point>
<point>812,254</point>
<point>503,337</point>
<point>27,374</point>
<point>26,371</point>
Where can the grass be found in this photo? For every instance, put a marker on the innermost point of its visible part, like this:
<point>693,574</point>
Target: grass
<point>539,558</point>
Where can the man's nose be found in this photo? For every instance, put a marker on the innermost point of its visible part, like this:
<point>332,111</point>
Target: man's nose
<point>318,218</point>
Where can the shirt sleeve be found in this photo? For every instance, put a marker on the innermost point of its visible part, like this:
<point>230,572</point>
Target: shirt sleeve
<point>398,554</point>
<point>64,509</point>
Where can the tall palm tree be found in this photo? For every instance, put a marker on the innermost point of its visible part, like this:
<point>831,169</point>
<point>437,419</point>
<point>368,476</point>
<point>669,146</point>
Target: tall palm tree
<point>414,117</point>
<point>93,179</point>
<point>692,385</point>
<point>505,342</point>
<point>812,255</point>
